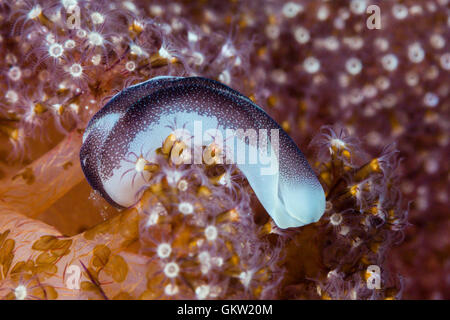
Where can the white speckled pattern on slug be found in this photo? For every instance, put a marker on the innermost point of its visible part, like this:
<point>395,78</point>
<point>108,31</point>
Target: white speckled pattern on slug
<point>139,118</point>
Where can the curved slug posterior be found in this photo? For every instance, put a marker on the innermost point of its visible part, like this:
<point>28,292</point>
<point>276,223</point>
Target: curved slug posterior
<point>122,137</point>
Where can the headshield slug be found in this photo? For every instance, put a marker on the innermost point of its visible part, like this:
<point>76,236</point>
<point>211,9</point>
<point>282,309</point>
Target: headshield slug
<point>121,138</point>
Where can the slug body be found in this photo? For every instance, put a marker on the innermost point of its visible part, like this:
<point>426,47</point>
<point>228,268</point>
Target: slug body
<point>136,121</point>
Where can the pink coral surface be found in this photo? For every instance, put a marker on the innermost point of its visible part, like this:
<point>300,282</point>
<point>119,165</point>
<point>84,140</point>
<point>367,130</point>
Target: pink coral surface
<point>308,64</point>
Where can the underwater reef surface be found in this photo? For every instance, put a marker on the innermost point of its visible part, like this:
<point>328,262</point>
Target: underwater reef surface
<point>371,104</point>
